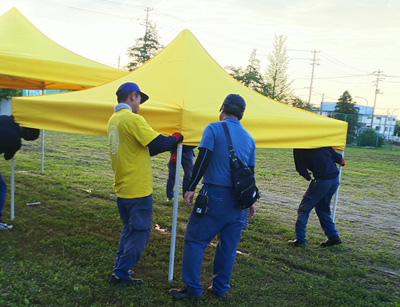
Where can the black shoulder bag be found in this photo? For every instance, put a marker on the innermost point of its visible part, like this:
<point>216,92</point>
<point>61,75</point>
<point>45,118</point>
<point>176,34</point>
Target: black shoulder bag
<point>244,183</point>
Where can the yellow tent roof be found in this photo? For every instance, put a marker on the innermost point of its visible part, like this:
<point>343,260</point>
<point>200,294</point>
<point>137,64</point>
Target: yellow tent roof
<point>186,88</point>
<point>30,60</point>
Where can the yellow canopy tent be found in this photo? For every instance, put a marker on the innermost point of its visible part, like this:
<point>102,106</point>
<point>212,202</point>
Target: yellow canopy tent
<point>30,60</point>
<point>186,88</point>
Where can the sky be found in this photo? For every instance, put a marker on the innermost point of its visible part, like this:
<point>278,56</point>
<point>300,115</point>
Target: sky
<point>356,42</point>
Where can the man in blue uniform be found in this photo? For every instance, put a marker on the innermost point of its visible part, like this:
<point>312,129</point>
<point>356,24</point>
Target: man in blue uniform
<point>223,216</point>
<point>322,163</point>
<point>10,142</point>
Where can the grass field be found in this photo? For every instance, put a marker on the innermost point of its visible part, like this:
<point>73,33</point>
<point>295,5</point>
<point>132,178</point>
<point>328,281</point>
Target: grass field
<point>61,252</point>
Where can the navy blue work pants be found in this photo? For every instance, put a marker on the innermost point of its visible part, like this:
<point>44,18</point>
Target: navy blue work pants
<point>318,196</point>
<point>136,215</point>
<point>3,190</point>
<point>224,217</point>
<point>187,165</point>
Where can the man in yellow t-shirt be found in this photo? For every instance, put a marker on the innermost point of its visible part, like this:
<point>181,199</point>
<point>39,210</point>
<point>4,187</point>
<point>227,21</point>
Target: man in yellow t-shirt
<point>132,142</point>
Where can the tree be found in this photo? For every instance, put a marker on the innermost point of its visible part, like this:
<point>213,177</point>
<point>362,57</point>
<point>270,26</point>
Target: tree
<point>346,110</point>
<point>396,130</point>
<point>8,93</point>
<point>299,103</point>
<point>251,76</point>
<point>145,48</point>
<point>276,73</point>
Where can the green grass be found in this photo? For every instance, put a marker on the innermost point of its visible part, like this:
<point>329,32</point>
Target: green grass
<point>61,252</point>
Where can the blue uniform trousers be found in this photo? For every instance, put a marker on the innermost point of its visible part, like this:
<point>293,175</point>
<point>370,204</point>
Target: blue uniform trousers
<point>224,217</point>
<point>318,195</point>
<point>136,215</point>
<point>187,165</point>
<point>3,189</point>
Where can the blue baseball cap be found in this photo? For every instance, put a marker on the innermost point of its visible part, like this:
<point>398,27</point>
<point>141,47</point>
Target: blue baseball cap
<point>234,104</point>
<point>131,87</point>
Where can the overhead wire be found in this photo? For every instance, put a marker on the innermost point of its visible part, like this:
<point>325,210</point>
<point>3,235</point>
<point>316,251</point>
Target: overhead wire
<point>327,62</point>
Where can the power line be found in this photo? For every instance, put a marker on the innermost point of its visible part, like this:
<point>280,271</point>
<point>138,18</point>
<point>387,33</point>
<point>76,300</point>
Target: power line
<point>338,62</point>
<point>100,13</point>
<point>339,77</point>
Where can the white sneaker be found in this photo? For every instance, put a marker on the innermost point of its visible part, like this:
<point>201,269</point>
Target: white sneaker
<point>5,226</point>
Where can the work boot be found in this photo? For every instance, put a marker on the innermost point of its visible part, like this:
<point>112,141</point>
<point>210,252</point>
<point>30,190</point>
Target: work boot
<point>115,280</point>
<point>296,243</point>
<point>184,293</point>
<point>210,289</point>
<point>331,241</point>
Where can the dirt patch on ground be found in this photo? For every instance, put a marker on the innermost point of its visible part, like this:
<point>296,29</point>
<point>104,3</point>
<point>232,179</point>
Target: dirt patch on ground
<point>377,216</point>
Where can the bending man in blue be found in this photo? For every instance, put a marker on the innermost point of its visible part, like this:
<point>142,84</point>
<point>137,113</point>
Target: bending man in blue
<point>322,163</point>
<point>223,216</point>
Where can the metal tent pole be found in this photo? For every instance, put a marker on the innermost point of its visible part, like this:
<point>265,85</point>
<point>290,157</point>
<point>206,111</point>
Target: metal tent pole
<point>337,191</point>
<point>175,213</point>
<point>42,151</point>
<point>42,144</point>
<point>12,190</point>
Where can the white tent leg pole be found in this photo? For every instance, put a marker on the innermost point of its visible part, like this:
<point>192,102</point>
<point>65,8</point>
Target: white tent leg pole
<point>12,190</point>
<point>337,191</point>
<point>175,213</point>
<point>42,151</point>
<point>42,143</point>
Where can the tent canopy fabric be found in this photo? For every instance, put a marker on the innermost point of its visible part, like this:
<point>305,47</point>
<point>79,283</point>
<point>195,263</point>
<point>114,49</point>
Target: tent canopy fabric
<point>186,88</point>
<point>30,60</point>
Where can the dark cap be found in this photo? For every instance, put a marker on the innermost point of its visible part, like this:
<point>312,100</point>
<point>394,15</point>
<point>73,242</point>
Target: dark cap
<point>234,104</point>
<point>129,87</point>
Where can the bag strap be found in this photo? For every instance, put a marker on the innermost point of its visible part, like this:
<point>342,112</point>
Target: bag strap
<point>232,153</point>
<point>227,134</point>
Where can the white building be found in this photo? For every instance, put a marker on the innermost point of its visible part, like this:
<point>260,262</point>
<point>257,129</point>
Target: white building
<point>382,124</point>
<point>5,107</point>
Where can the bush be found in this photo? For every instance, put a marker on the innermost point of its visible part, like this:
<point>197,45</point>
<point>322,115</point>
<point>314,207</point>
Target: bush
<point>370,138</point>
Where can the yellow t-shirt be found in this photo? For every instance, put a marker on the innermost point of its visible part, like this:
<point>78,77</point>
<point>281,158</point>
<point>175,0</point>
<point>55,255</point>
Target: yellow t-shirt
<point>129,134</point>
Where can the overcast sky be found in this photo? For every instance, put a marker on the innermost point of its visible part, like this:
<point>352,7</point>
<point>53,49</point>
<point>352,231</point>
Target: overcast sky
<point>353,38</point>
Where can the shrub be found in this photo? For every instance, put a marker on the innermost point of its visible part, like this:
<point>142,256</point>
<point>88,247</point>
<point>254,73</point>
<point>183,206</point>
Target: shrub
<point>370,138</point>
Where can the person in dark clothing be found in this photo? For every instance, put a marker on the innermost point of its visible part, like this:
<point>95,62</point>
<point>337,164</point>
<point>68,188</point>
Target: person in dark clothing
<point>10,142</point>
<point>187,165</point>
<point>322,163</point>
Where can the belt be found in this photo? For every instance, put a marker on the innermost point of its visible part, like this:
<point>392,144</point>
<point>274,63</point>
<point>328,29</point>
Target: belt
<point>214,186</point>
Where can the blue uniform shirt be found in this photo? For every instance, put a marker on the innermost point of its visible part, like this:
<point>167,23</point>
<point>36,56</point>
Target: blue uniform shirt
<point>218,170</point>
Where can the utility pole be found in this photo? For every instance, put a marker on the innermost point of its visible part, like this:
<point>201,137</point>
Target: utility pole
<point>314,62</point>
<point>147,10</point>
<point>322,103</point>
<point>377,91</point>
